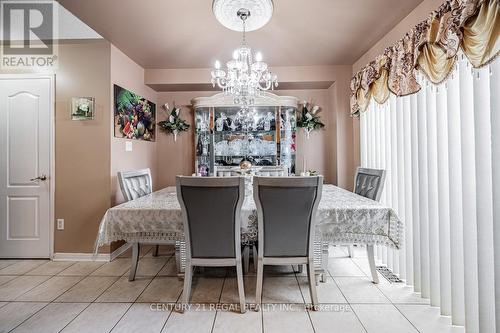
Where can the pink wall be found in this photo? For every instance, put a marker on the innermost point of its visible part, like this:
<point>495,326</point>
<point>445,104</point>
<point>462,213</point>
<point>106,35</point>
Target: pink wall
<point>127,74</point>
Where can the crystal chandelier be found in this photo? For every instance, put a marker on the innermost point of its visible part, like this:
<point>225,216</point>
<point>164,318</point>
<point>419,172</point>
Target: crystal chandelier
<point>244,78</point>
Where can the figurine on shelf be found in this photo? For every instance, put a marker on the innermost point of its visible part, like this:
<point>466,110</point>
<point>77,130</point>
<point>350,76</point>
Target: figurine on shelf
<point>267,121</point>
<point>203,170</point>
<point>233,125</point>
<point>219,123</point>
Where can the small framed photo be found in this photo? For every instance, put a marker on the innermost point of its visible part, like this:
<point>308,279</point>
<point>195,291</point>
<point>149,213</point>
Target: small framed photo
<point>82,108</point>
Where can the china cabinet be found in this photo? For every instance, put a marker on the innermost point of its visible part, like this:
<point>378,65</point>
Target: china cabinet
<point>226,134</point>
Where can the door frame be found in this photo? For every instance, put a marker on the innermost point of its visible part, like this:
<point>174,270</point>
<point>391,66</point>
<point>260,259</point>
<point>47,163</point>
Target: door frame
<point>52,159</point>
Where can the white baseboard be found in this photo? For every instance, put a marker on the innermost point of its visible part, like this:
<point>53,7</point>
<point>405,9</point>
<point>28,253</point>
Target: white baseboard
<point>61,256</point>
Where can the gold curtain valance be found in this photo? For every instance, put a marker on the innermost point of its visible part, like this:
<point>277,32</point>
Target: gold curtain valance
<point>430,47</point>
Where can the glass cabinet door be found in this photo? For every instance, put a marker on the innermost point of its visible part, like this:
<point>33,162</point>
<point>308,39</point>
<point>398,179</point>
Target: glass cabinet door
<point>287,138</point>
<point>262,135</point>
<point>245,135</point>
<point>203,160</point>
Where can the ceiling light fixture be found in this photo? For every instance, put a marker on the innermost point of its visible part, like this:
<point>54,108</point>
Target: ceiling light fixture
<point>244,78</point>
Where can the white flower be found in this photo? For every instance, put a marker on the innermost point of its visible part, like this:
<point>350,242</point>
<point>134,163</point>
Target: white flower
<point>166,107</point>
<point>177,110</point>
<point>315,109</point>
<point>308,116</point>
<point>171,119</point>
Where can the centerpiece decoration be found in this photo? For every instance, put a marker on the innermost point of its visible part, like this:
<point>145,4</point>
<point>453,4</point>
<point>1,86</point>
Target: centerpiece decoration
<point>309,119</point>
<point>173,124</point>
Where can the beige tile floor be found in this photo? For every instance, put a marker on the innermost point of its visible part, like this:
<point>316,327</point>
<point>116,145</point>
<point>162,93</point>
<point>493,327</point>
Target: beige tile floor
<point>43,296</point>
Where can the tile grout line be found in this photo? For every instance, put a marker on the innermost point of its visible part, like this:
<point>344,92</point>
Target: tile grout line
<point>88,303</point>
<point>93,302</point>
<point>349,303</point>
<point>170,313</point>
<point>53,301</point>
<point>133,302</point>
<point>394,305</point>
<point>388,298</point>
<point>50,278</point>
<point>303,298</point>
<point>29,270</point>
<point>416,329</point>
<point>138,296</point>
<point>46,305</point>
<point>43,307</point>
<point>79,313</point>
<point>14,261</point>
<point>220,297</point>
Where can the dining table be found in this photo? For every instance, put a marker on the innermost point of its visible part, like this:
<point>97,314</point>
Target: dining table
<point>343,218</point>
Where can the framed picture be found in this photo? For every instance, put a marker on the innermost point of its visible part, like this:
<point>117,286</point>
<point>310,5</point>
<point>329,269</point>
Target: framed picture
<point>134,116</point>
<point>82,108</point>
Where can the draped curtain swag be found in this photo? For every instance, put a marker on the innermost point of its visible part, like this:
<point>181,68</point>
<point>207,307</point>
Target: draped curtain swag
<point>431,47</point>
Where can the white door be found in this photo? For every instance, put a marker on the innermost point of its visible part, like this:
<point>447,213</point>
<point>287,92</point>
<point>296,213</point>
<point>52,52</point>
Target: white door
<point>25,139</point>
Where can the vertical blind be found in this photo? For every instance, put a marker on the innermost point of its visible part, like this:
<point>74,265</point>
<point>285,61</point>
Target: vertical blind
<point>441,150</point>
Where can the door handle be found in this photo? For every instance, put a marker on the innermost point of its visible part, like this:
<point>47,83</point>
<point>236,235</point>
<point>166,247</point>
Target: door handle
<point>42,178</point>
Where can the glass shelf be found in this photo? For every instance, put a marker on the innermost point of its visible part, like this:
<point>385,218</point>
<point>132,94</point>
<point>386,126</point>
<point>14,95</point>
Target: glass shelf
<point>228,147</point>
<point>239,132</point>
<point>248,155</point>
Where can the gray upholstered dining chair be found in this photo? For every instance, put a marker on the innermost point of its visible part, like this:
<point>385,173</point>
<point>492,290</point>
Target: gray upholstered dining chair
<point>211,212</point>
<point>369,183</point>
<point>135,184</point>
<point>286,209</point>
<point>266,171</point>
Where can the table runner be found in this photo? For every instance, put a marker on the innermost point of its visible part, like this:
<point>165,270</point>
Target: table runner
<point>343,217</point>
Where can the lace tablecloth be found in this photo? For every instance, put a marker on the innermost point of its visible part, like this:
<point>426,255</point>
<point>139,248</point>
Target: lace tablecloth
<point>343,218</point>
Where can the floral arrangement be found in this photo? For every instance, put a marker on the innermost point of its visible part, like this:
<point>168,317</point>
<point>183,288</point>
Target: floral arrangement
<point>174,124</point>
<point>309,119</point>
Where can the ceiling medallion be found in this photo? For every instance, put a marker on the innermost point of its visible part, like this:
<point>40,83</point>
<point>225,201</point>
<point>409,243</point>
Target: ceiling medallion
<point>244,78</point>
<point>225,10</point>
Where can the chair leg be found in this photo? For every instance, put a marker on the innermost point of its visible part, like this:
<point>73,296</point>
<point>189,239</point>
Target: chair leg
<point>241,288</point>
<point>371,261</point>
<point>311,276</point>
<point>350,250</point>
<point>156,250</point>
<point>135,261</point>
<point>258,288</point>
<point>255,256</point>
<point>246,258</point>
<point>188,277</point>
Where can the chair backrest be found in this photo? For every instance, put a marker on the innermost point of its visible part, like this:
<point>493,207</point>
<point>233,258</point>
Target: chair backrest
<point>135,184</point>
<point>211,210</point>
<point>369,183</point>
<point>286,208</point>
<point>277,171</point>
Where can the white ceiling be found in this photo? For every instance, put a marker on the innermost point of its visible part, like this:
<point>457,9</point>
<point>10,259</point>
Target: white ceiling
<point>185,33</point>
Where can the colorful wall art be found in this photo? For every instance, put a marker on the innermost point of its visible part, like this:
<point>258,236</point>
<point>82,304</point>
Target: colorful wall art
<point>135,116</point>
